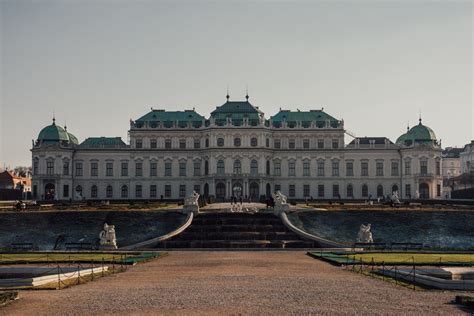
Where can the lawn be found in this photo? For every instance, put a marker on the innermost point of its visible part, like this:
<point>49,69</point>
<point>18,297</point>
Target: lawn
<point>71,257</point>
<point>397,258</point>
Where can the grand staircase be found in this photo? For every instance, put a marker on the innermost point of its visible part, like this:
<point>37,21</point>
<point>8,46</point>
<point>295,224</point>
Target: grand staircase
<point>236,230</point>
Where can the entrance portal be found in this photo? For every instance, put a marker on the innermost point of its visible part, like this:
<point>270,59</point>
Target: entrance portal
<point>49,191</point>
<point>254,191</point>
<point>424,191</point>
<point>220,190</point>
<point>237,189</point>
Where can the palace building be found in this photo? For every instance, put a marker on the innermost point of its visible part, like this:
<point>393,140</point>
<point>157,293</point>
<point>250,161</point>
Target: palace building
<point>237,151</point>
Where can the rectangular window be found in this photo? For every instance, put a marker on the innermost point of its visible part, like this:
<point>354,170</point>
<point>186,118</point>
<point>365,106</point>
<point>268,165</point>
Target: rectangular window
<point>79,169</point>
<point>167,143</point>
<point>35,167</point>
<point>138,143</point>
<point>335,191</point>
<point>277,168</point>
<point>153,144</point>
<point>349,169</point>
<point>335,168</point>
<point>277,187</point>
<point>321,190</point>
<point>153,169</point>
<point>306,168</point>
<point>66,168</point>
<point>167,190</point>
<point>408,190</point>
<point>94,169</point>
<point>197,188</point>
<point>306,190</point>
<point>394,168</point>
<point>182,169</point>
<point>277,143</point>
<point>35,191</point>
<point>153,193</point>
<point>335,143</point>
<point>379,169</point>
<point>182,190</point>
<point>267,142</point>
<point>407,167</point>
<point>320,143</point>
<point>291,168</point>
<point>438,168</point>
<point>364,169</point>
<point>50,167</point>
<point>321,168</point>
<point>138,191</point>
<point>305,143</point>
<point>197,143</point>
<point>424,167</point>
<point>197,168</point>
<point>138,169</point>
<point>182,144</point>
<point>292,190</point>
<point>438,190</point>
<point>124,169</point>
<point>291,144</point>
<point>109,169</point>
<point>168,169</point>
<point>66,190</point>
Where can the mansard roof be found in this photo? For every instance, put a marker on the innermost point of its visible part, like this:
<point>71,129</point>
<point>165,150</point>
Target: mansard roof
<point>368,140</point>
<point>102,141</point>
<point>319,117</point>
<point>171,116</point>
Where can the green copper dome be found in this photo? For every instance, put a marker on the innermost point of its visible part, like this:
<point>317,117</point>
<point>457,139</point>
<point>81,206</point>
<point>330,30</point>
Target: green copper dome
<point>418,134</point>
<point>56,133</point>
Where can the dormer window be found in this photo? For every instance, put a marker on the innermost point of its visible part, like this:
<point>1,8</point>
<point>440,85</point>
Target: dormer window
<point>253,142</point>
<point>220,142</point>
<point>237,142</point>
<point>139,143</point>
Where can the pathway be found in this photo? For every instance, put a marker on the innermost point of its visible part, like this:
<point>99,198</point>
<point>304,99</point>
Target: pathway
<point>192,282</point>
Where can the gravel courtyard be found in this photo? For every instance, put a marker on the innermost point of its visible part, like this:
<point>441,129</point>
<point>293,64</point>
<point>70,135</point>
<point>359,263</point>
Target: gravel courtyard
<point>218,282</point>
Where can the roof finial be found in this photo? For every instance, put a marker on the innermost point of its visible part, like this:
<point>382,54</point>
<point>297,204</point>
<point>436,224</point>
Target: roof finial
<point>54,118</point>
<point>247,93</point>
<point>419,120</point>
<point>227,96</point>
<point>408,126</point>
<point>65,125</point>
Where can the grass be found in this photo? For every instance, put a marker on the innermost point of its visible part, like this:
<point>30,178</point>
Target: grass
<point>397,258</point>
<point>74,257</point>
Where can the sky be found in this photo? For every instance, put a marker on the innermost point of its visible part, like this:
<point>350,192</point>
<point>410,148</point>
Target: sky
<point>95,65</point>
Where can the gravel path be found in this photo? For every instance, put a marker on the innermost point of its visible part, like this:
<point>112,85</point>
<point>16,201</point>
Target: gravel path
<point>234,283</point>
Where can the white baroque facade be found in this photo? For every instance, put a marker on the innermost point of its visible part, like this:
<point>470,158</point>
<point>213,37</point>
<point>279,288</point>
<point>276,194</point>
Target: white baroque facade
<point>236,151</point>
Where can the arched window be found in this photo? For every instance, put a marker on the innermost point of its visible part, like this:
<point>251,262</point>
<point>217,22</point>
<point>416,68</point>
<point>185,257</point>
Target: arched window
<point>109,192</point>
<point>94,191</point>
<point>365,190</point>
<point>254,167</point>
<point>237,142</point>
<point>267,171</point>
<point>206,167</point>
<point>379,190</point>
<point>220,142</point>
<point>220,167</point>
<point>124,191</point>
<point>350,191</point>
<point>395,188</point>
<point>253,142</point>
<point>237,167</point>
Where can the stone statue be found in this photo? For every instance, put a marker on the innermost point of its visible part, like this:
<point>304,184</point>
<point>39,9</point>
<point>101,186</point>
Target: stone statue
<point>395,198</point>
<point>365,235</point>
<point>107,238</point>
<point>280,203</point>
<point>191,203</point>
<point>192,199</point>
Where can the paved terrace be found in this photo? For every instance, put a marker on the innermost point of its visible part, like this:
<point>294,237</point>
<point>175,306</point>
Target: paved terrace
<point>272,283</point>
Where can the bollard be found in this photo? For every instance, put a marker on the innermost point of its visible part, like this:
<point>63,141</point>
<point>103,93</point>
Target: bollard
<point>414,273</point>
<point>59,279</point>
<point>383,270</point>
<point>102,266</point>
<point>78,274</point>
<point>113,264</point>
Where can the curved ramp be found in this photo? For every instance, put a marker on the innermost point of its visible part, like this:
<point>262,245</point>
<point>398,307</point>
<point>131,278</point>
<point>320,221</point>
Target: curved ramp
<point>152,242</point>
<point>322,241</point>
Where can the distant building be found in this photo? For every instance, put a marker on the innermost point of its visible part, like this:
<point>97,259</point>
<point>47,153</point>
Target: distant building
<point>467,158</point>
<point>9,180</point>
<point>236,152</point>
